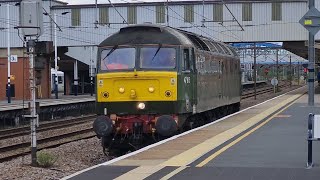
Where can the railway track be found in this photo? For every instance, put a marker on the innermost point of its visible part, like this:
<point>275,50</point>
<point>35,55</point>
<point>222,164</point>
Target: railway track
<point>23,148</point>
<point>25,130</point>
<point>261,91</point>
<point>19,149</point>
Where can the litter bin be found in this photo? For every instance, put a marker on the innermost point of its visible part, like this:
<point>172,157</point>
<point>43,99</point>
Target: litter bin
<point>12,90</point>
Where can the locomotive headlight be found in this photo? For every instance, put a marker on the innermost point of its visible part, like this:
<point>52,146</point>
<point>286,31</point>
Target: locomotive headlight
<point>151,89</point>
<point>121,90</point>
<point>141,106</point>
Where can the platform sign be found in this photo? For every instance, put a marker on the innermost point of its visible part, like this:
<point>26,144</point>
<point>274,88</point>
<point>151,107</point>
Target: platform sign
<point>274,81</point>
<point>14,58</point>
<point>316,127</point>
<point>311,21</point>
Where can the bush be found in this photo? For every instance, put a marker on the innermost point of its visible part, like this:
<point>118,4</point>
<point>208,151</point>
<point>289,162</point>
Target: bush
<point>45,159</point>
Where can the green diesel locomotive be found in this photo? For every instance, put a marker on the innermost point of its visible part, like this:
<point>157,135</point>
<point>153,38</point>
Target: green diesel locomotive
<point>154,81</point>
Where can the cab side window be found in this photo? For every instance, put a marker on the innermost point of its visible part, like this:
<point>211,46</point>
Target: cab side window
<point>186,60</point>
<point>192,60</point>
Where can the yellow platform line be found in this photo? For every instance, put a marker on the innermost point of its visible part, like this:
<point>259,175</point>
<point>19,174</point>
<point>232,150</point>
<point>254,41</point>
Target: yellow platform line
<point>196,152</point>
<point>176,171</point>
<point>214,155</point>
<point>140,172</point>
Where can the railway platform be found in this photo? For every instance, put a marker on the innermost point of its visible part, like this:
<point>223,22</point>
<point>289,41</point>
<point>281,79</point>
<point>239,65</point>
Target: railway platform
<point>11,114</point>
<point>266,141</point>
<point>65,99</point>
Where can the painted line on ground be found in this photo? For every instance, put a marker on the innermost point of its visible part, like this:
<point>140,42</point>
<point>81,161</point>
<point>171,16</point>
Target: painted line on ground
<point>140,172</point>
<point>214,155</point>
<point>176,171</point>
<point>196,152</point>
<point>172,138</point>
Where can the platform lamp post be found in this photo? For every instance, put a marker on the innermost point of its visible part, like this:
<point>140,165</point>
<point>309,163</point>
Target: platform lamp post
<point>9,54</point>
<point>8,90</point>
<point>55,57</point>
<point>56,53</point>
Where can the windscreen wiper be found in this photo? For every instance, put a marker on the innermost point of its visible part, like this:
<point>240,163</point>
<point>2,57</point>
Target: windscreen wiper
<point>111,51</point>
<point>160,45</point>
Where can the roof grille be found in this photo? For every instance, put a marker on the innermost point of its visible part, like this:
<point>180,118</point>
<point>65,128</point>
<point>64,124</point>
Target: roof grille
<point>146,28</point>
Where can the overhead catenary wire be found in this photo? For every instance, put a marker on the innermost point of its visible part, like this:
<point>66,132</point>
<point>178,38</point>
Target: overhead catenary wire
<point>232,14</point>
<point>118,12</point>
<point>196,26</point>
<point>204,17</point>
<point>193,24</point>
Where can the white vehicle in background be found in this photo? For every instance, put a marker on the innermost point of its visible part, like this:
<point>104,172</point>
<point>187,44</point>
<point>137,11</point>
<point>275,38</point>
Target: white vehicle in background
<point>60,80</point>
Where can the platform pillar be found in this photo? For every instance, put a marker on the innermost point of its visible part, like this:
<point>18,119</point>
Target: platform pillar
<point>310,163</point>
<point>9,55</point>
<point>75,77</point>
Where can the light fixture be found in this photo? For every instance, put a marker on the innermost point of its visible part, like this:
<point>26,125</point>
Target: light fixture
<point>151,89</point>
<point>141,106</point>
<point>121,90</point>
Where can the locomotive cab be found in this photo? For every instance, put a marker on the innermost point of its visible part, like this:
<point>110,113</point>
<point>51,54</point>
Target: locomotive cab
<point>137,85</point>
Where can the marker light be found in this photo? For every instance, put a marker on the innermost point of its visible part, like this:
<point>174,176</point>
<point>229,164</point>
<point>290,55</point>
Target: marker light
<point>151,89</point>
<point>121,90</point>
<point>141,106</point>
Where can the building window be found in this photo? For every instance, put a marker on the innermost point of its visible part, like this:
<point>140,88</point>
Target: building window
<point>132,15</point>
<point>276,11</point>
<point>75,17</point>
<point>104,15</point>
<point>188,13</point>
<point>160,14</point>
<point>218,12</point>
<point>247,12</point>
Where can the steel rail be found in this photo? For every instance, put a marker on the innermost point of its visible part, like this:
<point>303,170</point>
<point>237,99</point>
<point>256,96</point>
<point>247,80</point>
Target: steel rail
<point>25,130</point>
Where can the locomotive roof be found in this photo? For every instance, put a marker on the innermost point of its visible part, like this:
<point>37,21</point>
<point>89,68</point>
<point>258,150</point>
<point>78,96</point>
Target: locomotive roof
<point>157,34</point>
<point>146,34</point>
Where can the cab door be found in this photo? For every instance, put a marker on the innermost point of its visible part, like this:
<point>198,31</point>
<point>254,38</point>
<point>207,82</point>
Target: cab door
<point>188,78</point>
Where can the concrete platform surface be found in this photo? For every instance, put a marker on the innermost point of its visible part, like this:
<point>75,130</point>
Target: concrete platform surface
<point>18,104</point>
<point>266,141</point>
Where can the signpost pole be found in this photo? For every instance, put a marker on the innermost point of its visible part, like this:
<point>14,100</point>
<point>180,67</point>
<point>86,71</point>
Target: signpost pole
<point>290,71</point>
<point>255,71</point>
<point>311,55</point>
<point>298,73</point>
<point>33,113</point>
<point>277,58</point>
<point>31,23</point>
<point>311,21</point>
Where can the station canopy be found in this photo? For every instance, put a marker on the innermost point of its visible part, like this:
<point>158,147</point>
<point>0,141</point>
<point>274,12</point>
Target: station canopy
<point>266,53</point>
